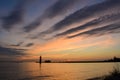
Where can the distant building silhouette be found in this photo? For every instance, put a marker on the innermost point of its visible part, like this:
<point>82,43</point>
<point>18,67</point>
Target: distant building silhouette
<point>47,61</point>
<point>115,59</point>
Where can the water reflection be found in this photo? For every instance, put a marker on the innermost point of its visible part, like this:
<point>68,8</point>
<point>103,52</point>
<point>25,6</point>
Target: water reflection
<point>40,66</point>
<point>53,71</point>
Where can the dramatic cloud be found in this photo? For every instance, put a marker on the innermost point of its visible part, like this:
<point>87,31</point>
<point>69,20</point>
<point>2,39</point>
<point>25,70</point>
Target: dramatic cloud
<point>107,19</point>
<point>59,8</point>
<point>15,17</point>
<point>29,44</point>
<point>59,29</point>
<point>11,51</point>
<point>112,28</point>
<point>85,13</point>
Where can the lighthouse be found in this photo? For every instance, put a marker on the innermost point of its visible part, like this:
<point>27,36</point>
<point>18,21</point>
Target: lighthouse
<point>40,60</point>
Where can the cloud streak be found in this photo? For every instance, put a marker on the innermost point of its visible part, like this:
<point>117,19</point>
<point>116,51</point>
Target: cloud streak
<point>17,45</point>
<point>32,25</point>
<point>11,51</point>
<point>29,44</point>
<point>15,17</point>
<point>59,8</point>
<point>107,19</point>
<point>84,14</point>
<point>111,28</point>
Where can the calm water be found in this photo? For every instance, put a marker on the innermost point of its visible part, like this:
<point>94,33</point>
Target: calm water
<point>53,71</point>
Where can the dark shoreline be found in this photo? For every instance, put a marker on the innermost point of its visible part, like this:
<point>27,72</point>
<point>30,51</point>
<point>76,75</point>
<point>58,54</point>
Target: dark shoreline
<point>59,62</point>
<point>115,59</point>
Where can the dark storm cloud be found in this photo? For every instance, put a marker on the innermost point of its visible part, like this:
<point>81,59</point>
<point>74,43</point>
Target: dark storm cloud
<point>19,44</point>
<point>29,44</point>
<point>83,14</point>
<point>93,23</point>
<point>59,8</point>
<point>111,28</point>
<point>15,17</point>
<point>11,51</point>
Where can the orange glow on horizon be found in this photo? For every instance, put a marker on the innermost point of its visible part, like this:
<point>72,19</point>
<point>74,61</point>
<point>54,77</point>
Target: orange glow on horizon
<point>61,48</point>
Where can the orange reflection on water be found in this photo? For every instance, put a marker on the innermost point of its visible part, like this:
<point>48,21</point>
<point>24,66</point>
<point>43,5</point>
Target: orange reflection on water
<point>65,71</point>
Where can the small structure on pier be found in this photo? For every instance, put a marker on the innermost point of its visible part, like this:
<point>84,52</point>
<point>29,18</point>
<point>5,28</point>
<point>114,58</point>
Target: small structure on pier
<point>47,61</point>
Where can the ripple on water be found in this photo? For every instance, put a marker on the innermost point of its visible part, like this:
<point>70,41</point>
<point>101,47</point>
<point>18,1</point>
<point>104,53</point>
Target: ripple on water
<point>36,77</point>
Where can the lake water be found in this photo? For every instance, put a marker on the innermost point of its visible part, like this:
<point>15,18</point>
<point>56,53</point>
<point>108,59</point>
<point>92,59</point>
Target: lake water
<point>54,71</point>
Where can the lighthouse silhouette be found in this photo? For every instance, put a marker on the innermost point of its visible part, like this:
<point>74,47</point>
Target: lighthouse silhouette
<point>40,60</point>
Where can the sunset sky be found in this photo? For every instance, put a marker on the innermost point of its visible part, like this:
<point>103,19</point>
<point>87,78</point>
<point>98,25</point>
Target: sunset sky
<point>59,29</point>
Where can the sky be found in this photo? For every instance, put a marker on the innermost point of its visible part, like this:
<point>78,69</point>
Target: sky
<point>59,29</point>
